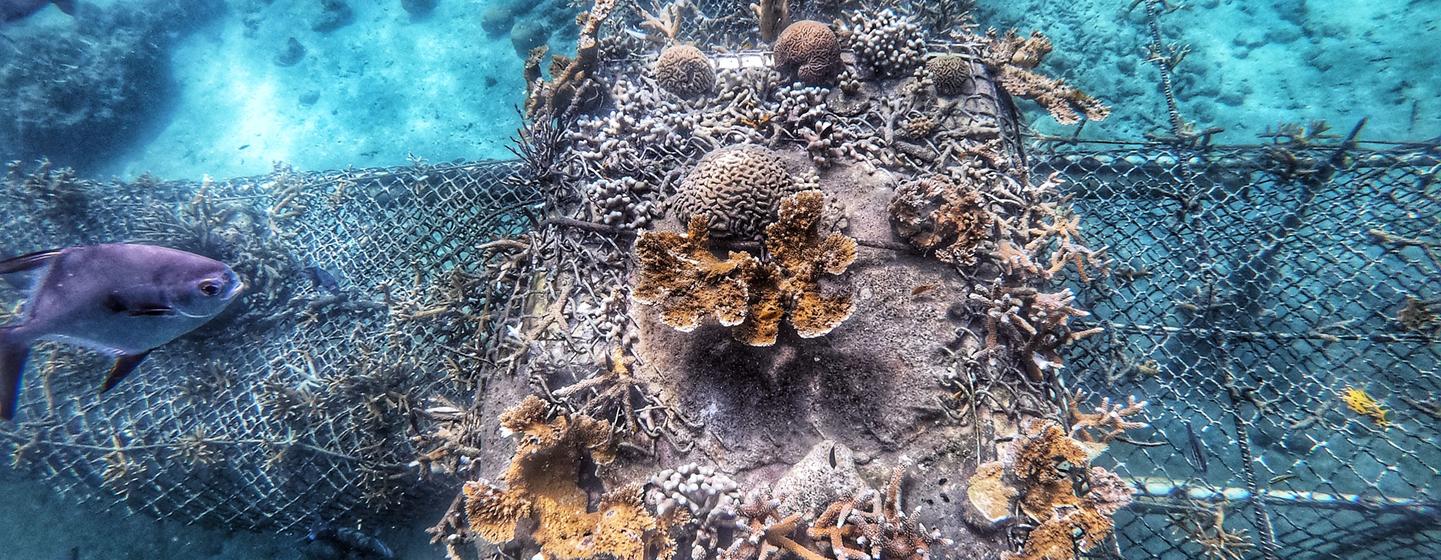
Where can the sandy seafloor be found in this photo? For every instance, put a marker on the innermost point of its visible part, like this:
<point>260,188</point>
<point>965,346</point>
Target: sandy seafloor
<point>387,86</point>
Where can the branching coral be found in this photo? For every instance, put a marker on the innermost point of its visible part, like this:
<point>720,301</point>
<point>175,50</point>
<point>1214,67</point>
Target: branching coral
<point>883,531</point>
<point>810,50</point>
<point>936,214</point>
<point>1043,473</point>
<point>772,16</point>
<point>1109,421</point>
<point>697,503</point>
<point>1013,59</point>
<point>766,532</point>
<point>885,43</point>
<point>542,486</point>
<point>555,97</point>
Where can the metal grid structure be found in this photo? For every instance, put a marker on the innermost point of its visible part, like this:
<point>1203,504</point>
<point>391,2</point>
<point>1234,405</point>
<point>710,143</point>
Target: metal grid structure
<point>303,406</point>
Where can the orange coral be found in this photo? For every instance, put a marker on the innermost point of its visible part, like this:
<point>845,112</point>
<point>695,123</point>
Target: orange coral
<point>989,495</point>
<point>800,255</point>
<point>1108,422</point>
<point>1060,537</point>
<point>1013,58</point>
<point>765,532</point>
<point>543,487</point>
<point>679,274</point>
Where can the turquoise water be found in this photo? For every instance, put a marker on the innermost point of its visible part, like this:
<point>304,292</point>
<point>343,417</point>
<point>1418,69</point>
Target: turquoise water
<point>214,88</point>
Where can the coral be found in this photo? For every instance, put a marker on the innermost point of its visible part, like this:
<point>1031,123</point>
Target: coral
<point>811,51</point>
<point>569,77</point>
<point>883,531</point>
<point>1420,316</point>
<point>951,74</point>
<point>621,202</point>
<point>1046,474</point>
<point>698,503</point>
<point>989,495</point>
<point>1013,60</point>
<point>800,255</point>
<point>543,488</point>
<point>1108,421</point>
<point>684,71</point>
<point>885,43</point>
<point>1362,403</point>
<point>736,188</point>
<point>826,473</point>
<point>765,531</point>
<point>679,274</point>
<point>935,214</point>
<point>772,16</point>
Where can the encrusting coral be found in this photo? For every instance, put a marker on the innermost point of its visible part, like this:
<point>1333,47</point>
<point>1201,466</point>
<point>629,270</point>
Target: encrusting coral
<point>542,487</point>
<point>680,275</point>
<point>936,214</point>
<point>685,71</point>
<point>811,51</point>
<point>1044,473</point>
<point>736,188</point>
<point>1014,59</point>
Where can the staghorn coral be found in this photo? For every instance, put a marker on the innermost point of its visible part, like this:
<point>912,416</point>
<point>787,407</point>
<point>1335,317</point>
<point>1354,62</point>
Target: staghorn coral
<point>1109,421</point>
<point>570,77</point>
<point>766,532</point>
<point>809,50</point>
<point>679,274</point>
<point>791,287</point>
<point>951,74</point>
<point>1045,474</point>
<point>885,43</point>
<point>736,188</point>
<point>1013,59</point>
<point>685,71</point>
<point>936,214</point>
<point>883,531</point>
<point>542,487</point>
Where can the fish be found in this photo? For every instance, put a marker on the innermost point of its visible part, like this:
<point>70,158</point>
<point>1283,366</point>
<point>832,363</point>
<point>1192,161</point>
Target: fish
<point>323,279</point>
<point>15,10</point>
<point>327,543</point>
<point>122,299</point>
<point>1197,451</point>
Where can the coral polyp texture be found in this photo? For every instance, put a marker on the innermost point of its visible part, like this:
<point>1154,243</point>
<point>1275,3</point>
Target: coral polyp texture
<point>1014,59</point>
<point>951,74</point>
<point>737,189</point>
<point>809,50</point>
<point>937,215</point>
<point>542,487</point>
<point>682,277</point>
<point>685,71</point>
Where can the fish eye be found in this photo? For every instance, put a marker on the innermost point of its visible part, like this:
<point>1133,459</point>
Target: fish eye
<point>210,288</point>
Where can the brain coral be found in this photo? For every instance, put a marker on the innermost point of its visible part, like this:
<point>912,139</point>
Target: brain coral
<point>736,188</point>
<point>684,71</point>
<point>950,72</point>
<point>811,50</point>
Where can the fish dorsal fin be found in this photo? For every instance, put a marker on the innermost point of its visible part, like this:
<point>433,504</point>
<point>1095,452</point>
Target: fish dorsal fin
<point>124,364</point>
<point>25,271</point>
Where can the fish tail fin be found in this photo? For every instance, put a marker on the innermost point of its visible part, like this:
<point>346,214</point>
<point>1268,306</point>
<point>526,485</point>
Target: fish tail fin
<point>67,6</point>
<point>14,349</point>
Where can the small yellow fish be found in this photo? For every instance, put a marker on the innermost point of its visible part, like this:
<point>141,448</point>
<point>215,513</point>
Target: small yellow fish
<point>1362,403</point>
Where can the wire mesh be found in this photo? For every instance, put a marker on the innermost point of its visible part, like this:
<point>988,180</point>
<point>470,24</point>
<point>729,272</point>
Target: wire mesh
<point>1252,289</point>
<point>297,406</point>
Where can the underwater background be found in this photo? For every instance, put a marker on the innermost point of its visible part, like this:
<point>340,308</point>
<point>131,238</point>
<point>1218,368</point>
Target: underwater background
<point>182,90</point>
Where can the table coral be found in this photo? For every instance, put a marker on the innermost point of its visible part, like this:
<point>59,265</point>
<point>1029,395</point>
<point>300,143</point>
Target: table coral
<point>542,486</point>
<point>809,50</point>
<point>679,274</point>
<point>800,255</point>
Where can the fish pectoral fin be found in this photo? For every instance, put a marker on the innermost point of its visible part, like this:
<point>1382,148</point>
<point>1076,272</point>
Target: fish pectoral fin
<point>13,353</point>
<point>124,364</point>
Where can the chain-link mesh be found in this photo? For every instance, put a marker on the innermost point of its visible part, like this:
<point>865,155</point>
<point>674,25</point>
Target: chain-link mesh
<point>1251,289</point>
<point>299,405</point>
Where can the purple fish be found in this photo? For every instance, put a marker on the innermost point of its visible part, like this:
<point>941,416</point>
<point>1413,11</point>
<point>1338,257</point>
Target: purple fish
<point>121,299</point>
<point>11,10</point>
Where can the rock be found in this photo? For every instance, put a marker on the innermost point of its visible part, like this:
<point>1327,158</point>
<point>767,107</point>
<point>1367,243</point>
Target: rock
<point>291,54</point>
<point>334,14</point>
<point>418,8</point>
<point>528,34</point>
